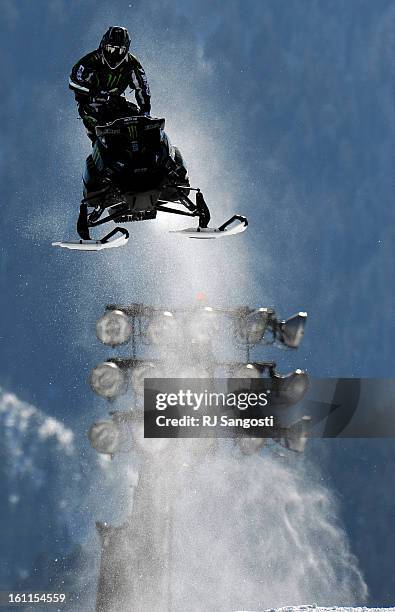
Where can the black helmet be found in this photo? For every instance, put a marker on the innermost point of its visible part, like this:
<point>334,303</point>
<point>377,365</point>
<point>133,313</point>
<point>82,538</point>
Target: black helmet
<point>115,46</point>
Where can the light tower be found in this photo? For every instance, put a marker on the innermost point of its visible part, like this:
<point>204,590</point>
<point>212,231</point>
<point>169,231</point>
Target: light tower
<point>165,342</point>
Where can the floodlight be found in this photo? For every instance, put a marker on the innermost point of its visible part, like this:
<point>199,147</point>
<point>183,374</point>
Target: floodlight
<point>297,441</point>
<point>145,369</point>
<point>252,327</point>
<point>248,370</point>
<point>164,329</point>
<point>104,437</point>
<point>203,325</point>
<point>292,330</point>
<point>297,445</point>
<point>289,389</point>
<point>113,328</point>
<point>108,380</point>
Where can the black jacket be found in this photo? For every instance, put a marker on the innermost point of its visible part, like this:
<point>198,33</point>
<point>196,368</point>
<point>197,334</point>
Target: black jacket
<point>91,76</point>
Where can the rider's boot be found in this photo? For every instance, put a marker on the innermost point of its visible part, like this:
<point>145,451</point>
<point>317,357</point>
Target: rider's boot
<point>95,214</point>
<point>112,196</point>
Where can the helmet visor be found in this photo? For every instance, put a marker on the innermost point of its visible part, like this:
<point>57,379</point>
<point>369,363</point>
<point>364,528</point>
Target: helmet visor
<point>114,54</point>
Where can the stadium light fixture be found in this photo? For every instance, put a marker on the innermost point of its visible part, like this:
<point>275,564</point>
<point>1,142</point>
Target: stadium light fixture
<point>289,389</point>
<point>297,441</point>
<point>248,370</point>
<point>108,380</point>
<point>145,369</point>
<point>164,329</point>
<point>251,328</point>
<point>113,328</point>
<point>203,325</point>
<point>104,437</point>
<point>291,331</point>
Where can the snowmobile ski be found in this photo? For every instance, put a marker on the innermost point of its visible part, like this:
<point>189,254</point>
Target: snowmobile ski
<point>207,233</point>
<point>98,245</point>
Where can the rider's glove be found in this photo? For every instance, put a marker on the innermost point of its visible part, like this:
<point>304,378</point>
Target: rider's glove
<point>101,97</point>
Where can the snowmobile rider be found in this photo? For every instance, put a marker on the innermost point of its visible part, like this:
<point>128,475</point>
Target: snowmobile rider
<point>100,78</point>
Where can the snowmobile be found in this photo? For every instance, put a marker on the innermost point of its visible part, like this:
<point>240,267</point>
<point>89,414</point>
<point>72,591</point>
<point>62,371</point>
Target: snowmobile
<point>133,173</point>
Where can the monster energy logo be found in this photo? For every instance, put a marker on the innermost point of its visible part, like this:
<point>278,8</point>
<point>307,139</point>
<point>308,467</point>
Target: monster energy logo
<point>113,79</point>
<point>132,131</point>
